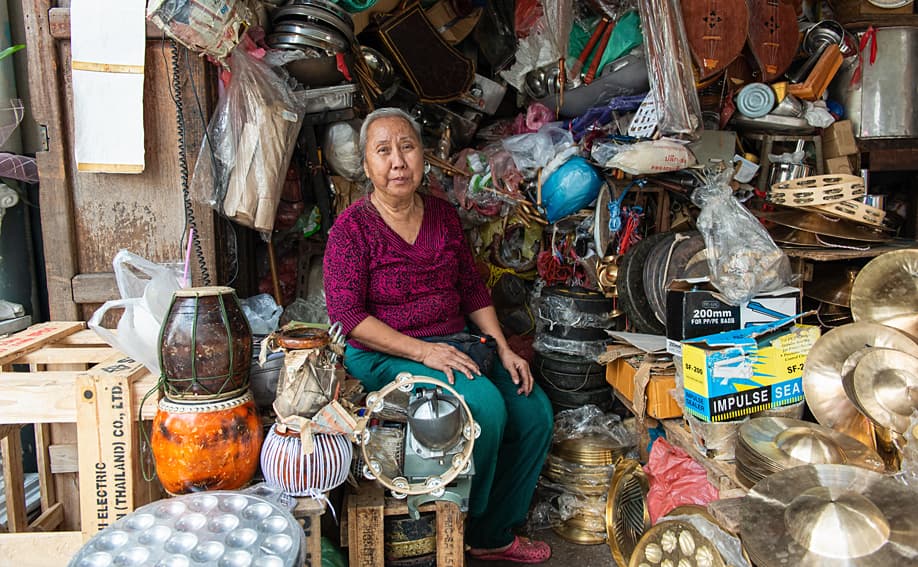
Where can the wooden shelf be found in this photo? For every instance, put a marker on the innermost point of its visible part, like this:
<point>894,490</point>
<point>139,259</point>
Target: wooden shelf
<point>829,255</point>
<point>722,474</point>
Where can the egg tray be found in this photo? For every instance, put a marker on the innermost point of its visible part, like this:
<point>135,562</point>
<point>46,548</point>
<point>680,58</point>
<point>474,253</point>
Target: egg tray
<point>221,528</point>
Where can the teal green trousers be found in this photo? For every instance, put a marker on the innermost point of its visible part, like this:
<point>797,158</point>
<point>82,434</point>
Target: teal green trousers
<point>515,437</point>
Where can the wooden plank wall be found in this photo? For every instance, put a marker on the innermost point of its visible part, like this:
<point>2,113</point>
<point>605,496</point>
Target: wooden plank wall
<point>88,217</point>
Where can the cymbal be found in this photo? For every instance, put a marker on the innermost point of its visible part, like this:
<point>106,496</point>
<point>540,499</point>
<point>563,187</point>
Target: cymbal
<point>822,374</point>
<point>818,515</point>
<point>834,289</point>
<point>887,287</point>
<point>782,443</point>
<point>886,387</point>
<point>823,225</point>
<point>794,237</point>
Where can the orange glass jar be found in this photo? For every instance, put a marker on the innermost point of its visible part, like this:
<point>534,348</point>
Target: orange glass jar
<point>206,446</point>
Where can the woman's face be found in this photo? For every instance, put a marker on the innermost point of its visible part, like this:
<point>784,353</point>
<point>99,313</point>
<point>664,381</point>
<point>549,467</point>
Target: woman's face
<point>394,159</point>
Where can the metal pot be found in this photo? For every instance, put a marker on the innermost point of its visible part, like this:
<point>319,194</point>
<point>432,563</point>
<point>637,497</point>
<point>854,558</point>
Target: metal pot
<point>885,102</point>
<point>786,171</point>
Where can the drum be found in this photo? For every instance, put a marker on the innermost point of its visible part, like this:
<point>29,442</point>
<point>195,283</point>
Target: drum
<point>285,466</point>
<point>205,345</point>
<point>206,446</point>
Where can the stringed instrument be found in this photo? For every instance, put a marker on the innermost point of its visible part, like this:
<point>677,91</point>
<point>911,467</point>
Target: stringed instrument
<point>716,31</point>
<point>773,36</point>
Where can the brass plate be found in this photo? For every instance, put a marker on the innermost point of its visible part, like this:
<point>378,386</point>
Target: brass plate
<point>819,515</point>
<point>627,516</point>
<point>576,535</point>
<point>821,224</point>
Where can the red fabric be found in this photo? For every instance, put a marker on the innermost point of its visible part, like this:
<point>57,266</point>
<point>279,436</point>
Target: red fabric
<point>675,479</point>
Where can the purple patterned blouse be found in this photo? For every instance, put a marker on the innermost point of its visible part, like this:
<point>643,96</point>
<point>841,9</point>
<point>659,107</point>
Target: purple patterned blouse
<point>422,289</point>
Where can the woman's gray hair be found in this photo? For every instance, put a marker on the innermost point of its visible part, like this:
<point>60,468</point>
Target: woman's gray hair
<point>388,112</point>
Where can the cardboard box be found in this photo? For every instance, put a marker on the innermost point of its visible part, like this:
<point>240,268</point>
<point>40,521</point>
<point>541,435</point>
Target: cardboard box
<point>660,404</point>
<point>733,374</point>
<point>694,309</point>
<point>838,140</point>
<point>840,164</point>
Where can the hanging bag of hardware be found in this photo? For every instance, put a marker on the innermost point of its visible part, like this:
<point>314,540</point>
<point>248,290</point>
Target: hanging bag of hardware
<point>743,259</point>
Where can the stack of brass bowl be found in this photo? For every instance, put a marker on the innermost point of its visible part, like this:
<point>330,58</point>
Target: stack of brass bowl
<point>767,445</point>
<point>582,466</point>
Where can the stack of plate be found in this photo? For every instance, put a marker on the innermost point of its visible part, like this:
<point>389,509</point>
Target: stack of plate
<point>314,26</point>
<point>320,32</point>
<point>767,445</point>
<point>582,466</point>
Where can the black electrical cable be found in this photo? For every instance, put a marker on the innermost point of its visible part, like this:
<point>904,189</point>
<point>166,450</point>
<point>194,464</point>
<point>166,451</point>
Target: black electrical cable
<point>190,222</point>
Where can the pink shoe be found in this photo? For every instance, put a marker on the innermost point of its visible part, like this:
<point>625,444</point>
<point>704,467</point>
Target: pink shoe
<point>522,550</point>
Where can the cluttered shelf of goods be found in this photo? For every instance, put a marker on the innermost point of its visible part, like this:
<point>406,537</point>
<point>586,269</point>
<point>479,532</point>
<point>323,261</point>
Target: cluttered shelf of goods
<point>617,282</point>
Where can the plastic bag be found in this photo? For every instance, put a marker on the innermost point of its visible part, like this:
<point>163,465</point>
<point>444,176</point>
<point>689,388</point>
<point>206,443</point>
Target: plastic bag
<point>341,150</point>
<point>262,312</point>
<point>675,479</point>
<point>532,152</point>
<point>589,420</point>
<point>658,156</point>
<point>244,158</point>
<point>742,257</point>
<point>213,27</point>
<point>146,294</point>
<point>570,188</point>
<point>669,63</point>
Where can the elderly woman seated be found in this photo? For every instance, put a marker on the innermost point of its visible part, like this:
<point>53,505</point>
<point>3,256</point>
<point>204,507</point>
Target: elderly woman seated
<point>398,271</point>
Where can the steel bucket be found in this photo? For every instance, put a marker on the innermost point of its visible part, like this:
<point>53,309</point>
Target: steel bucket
<point>885,104</point>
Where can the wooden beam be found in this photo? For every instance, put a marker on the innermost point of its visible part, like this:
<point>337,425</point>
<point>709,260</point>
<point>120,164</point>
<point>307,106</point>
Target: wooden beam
<point>43,460</point>
<point>95,288</point>
<point>34,338</point>
<point>59,19</point>
<point>64,458</point>
<point>49,520</point>
<point>57,219</point>
<point>49,398</point>
<point>68,355</point>
<point>11,449</point>
<point>22,550</point>
<point>86,338</point>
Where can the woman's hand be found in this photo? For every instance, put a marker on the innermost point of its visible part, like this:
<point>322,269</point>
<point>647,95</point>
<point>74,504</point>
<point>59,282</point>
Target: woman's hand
<point>446,358</point>
<point>518,368</point>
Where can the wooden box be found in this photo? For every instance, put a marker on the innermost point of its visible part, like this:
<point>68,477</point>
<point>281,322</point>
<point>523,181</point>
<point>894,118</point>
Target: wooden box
<point>60,376</point>
<point>862,13</point>
<point>362,528</point>
<point>660,404</point>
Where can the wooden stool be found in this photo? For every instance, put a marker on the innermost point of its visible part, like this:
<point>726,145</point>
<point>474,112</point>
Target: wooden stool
<point>362,528</point>
<point>308,512</point>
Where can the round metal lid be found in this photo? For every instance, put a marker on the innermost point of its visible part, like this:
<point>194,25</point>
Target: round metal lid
<point>677,543</point>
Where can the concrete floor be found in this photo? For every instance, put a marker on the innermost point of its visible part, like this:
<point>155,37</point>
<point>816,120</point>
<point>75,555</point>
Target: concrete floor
<point>564,553</point>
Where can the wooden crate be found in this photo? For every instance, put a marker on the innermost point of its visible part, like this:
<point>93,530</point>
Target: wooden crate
<point>362,528</point>
<point>60,375</point>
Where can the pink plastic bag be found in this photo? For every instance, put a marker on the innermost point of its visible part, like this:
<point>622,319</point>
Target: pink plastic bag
<point>675,479</point>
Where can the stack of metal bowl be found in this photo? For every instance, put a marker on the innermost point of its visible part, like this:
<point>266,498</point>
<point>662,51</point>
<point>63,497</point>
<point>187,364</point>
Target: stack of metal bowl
<point>767,445</point>
<point>582,467</point>
<point>319,29</point>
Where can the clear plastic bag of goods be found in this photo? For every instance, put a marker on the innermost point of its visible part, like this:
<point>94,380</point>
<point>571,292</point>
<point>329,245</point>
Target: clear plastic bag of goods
<point>244,157</point>
<point>590,421</point>
<point>743,259</point>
